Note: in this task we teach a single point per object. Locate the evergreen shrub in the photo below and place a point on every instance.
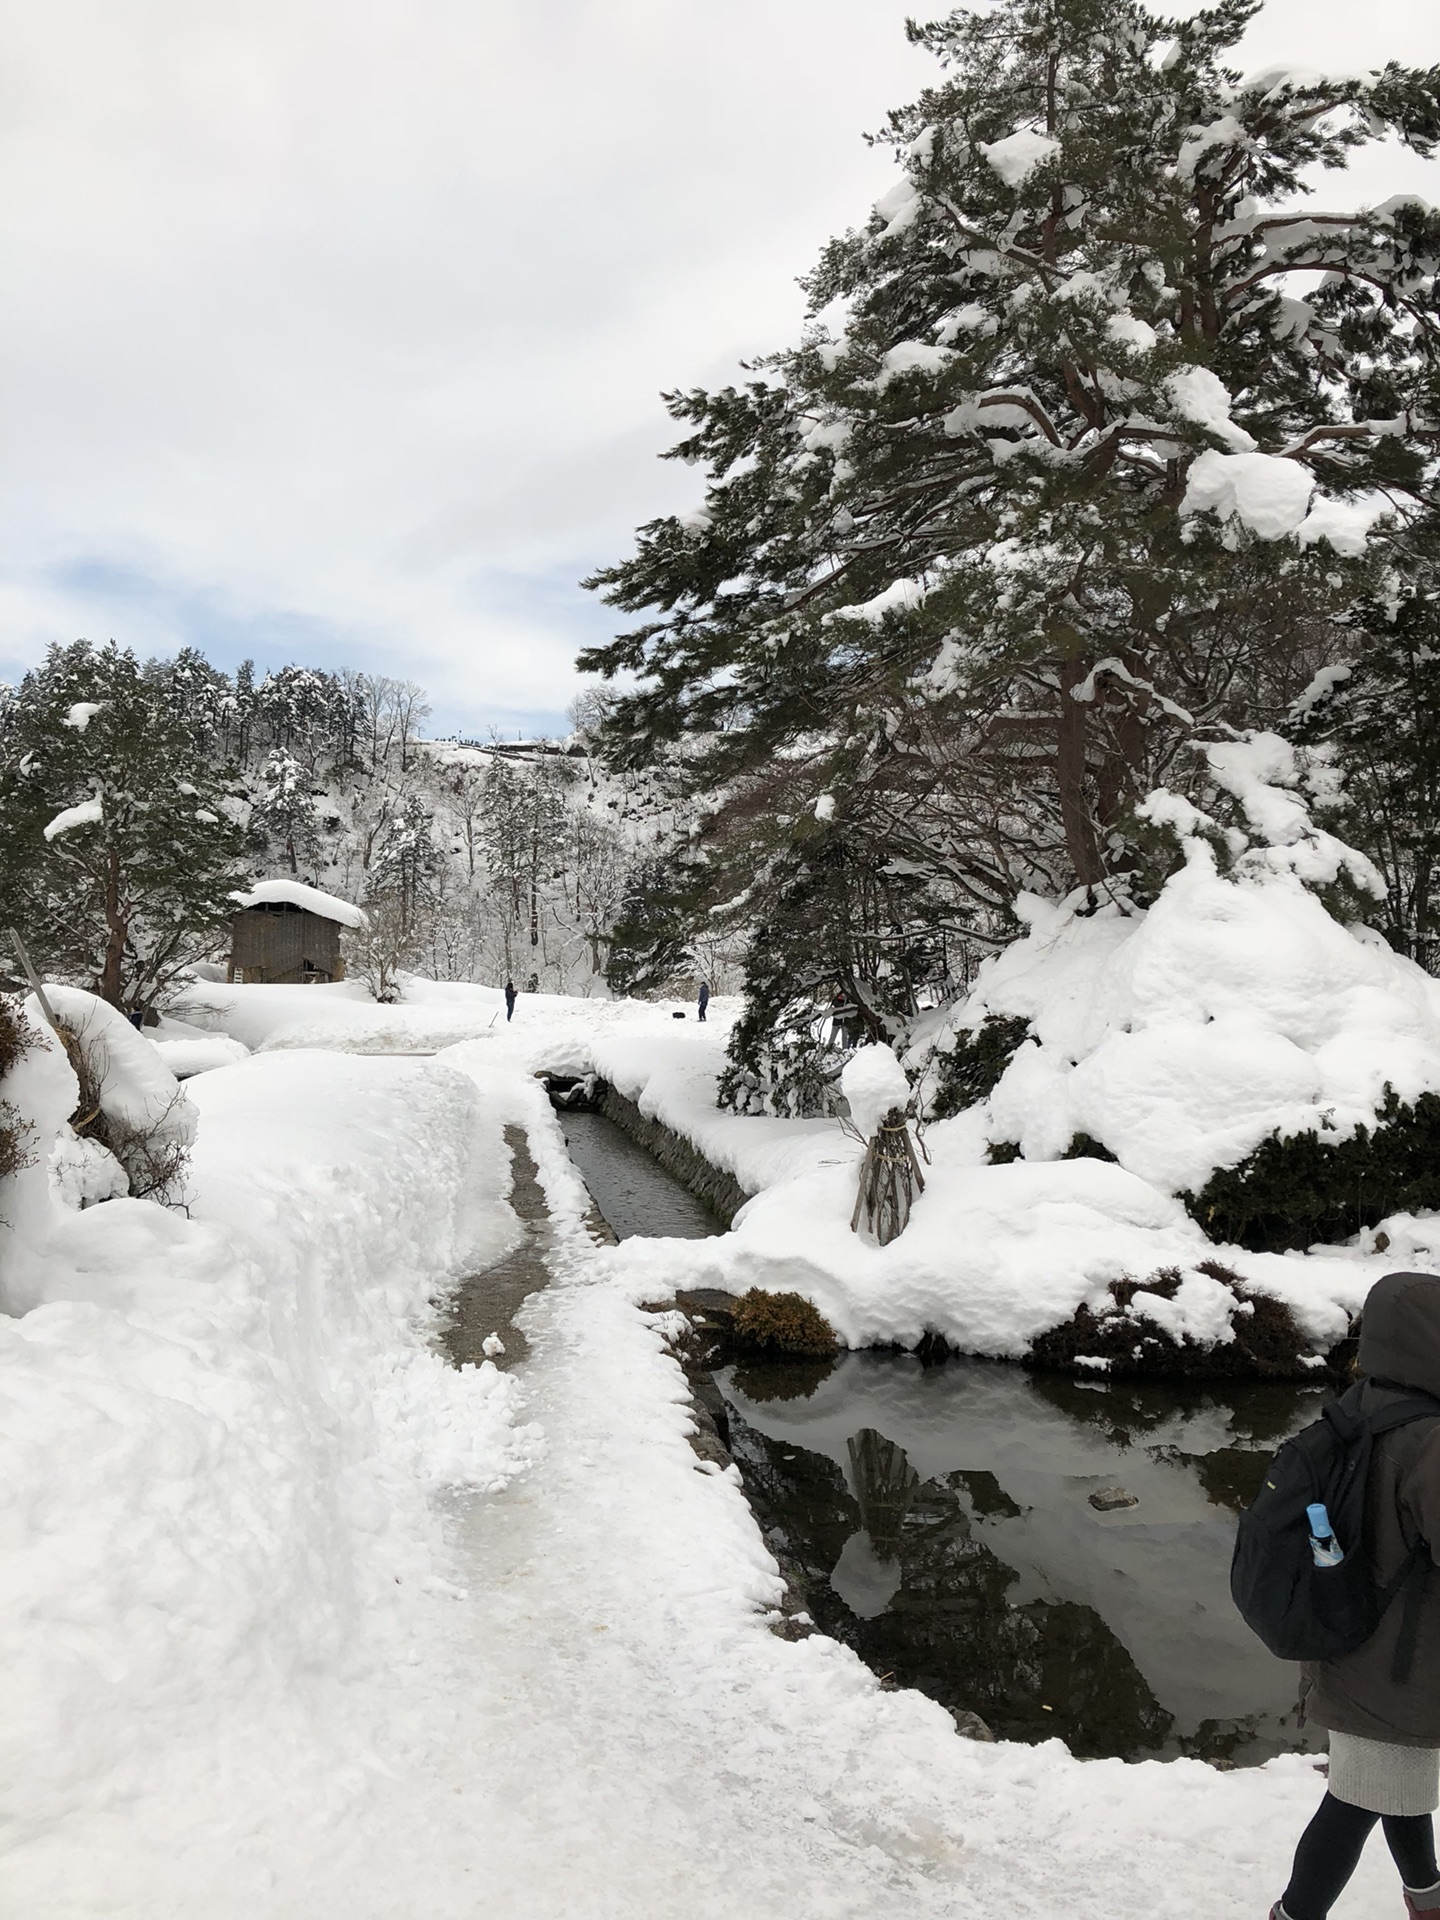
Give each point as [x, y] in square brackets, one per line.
[782, 1323]
[1084, 1146]
[972, 1070]
[1313, 1186]
[1268, 1343]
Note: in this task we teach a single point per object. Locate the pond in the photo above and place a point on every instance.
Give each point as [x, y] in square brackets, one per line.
[940, 1521]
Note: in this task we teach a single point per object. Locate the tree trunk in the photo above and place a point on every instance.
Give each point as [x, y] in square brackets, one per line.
[1070, 778]
[116, 931]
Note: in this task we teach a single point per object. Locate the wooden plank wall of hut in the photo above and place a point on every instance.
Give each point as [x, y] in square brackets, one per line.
[284, 947]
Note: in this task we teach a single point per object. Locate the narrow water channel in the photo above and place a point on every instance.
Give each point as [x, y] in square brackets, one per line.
[941, 1522]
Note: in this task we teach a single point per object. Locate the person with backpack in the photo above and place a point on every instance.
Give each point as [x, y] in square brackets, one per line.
[1366, 1603]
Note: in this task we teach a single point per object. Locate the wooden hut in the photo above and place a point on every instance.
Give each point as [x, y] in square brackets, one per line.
[288, 934]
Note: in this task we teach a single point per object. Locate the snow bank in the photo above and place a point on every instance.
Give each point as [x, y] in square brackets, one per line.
[342, 1015]
[217, 1435]
[294, 893]
[42, 1088]
[185, 1055]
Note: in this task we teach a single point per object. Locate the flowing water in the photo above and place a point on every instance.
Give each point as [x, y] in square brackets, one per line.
[939, 1518]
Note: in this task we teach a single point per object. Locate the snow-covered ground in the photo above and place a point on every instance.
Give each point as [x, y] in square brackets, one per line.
[1290, 1014]
[307, 1624]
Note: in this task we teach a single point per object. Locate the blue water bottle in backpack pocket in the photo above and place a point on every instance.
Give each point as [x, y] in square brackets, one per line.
[1325, 1549]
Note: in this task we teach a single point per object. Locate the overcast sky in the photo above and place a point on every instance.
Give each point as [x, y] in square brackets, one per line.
[333, 330]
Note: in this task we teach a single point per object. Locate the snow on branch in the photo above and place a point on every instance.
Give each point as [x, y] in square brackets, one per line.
[88, 813]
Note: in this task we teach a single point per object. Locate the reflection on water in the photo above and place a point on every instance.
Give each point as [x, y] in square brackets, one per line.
[941, 1522]
[939, 1518]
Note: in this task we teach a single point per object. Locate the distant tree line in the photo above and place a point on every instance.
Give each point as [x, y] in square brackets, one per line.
[136, 796]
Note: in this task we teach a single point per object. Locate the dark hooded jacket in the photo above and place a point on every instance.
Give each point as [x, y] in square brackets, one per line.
[1399, 1352]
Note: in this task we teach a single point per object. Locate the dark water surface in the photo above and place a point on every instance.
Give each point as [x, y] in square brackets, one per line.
[633, 1192]
[939, 1517]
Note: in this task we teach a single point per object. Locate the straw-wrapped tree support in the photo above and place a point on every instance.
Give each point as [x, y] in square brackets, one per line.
[890, 1177]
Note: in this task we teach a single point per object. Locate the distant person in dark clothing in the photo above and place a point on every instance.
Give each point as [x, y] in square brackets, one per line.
[509, 999]
[704, 997]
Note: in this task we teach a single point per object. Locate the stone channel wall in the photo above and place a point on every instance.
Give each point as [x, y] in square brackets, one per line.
[720, 1191]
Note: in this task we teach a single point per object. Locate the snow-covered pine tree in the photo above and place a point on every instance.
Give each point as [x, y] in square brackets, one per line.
[119, 853]
[283, 813]
[1379, 716]
[407, 861]
[1074, 463]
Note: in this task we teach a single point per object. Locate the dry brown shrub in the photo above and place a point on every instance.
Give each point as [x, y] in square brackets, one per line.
[782, 1323]
[17, 1037]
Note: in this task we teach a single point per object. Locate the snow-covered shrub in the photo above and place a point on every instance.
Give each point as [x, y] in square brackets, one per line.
[782, 1323]
[1233, 1043]
[969, 1071]
[17, 1037]
[1129, 1333]
[1295, 1190]
[130, 1102]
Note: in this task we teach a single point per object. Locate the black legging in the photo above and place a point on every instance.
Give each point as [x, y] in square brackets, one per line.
[1330, 1849]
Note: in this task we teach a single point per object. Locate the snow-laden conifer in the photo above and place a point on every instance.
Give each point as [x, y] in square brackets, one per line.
[1098, 423]
[119, 849]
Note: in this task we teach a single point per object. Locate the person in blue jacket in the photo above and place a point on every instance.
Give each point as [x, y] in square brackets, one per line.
[704, 997]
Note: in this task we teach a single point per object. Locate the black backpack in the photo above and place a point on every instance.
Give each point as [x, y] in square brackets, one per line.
[1305, 1612]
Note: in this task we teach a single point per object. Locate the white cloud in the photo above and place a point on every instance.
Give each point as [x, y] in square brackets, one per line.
[338, 332]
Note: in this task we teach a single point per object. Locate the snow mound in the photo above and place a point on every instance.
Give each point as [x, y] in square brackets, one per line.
[294, 893]
[217, 1437]
[186, 1056]
[873, 1081]
[83, 1173]
[1181, 1037]
[134, 1086]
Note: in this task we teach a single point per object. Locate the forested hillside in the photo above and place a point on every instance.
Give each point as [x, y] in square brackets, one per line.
[139, 795]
